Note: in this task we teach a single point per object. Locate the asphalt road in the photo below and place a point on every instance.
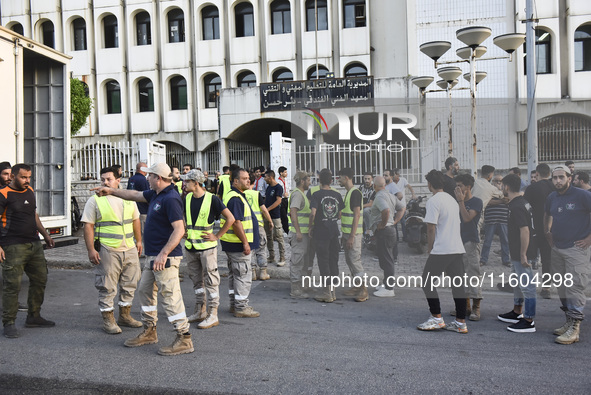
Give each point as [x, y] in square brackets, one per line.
[296, 346]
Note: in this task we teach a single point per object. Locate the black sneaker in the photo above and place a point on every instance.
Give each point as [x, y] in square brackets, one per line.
[523, 326]
[510, 317]
[10, 331]
[38, 322]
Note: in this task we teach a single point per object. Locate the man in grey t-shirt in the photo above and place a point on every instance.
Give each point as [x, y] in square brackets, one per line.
[385, 213]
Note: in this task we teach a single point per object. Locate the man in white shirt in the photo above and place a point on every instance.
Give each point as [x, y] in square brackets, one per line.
[445, 248]
[402, 184]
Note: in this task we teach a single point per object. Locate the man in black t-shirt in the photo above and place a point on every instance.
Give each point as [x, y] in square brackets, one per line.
[21, 250]
[326, 205]
[536, 195]
[523, 252]
[452, 167]
[273, 196]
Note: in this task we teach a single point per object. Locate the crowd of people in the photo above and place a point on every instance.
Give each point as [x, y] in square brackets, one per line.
[134, 239]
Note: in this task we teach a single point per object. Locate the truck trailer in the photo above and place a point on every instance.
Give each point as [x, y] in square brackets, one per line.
[35, 123]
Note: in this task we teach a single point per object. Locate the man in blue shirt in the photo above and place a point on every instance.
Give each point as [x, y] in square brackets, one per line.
[470, 210]
[567, 225]
[138, 182]
[163, 233]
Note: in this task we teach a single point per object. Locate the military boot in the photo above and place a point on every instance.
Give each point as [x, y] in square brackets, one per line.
[325, 296]
[353, 291]
[475, 315]
[148, 336]
[564, 327]
[109, 324]
[211, 320]
[571, 335]
[297, 292]
[247, 312]
[199, 314]
[125, 318]
[182, 344]
[263, 275]
[254, 273]
[362, 295]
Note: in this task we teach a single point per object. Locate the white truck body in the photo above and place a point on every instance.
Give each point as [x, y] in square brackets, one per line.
[35, 122]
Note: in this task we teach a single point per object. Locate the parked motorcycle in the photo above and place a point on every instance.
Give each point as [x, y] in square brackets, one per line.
[414, 220]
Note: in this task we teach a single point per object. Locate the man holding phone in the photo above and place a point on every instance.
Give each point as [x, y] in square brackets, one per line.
[162, 234]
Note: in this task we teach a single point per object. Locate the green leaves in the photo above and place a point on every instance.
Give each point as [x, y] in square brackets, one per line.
[80, 105]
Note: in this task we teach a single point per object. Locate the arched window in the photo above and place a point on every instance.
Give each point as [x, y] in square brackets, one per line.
[146, 95]
[176, 26]
[246, 78]
[356, 70]
[18, 28]
[244, 15]
[280, 17]
[111, 31]
[322, 72]
[178, 93]
[210, 17]
[311, 7]
[583, 48]
[142, 24]
[79, 27]
[353, 13]
[48, 32]
[282, 75]
[113, 97]
[543, 52]
[212, 85]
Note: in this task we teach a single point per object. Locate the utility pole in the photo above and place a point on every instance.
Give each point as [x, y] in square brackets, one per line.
[532, 119]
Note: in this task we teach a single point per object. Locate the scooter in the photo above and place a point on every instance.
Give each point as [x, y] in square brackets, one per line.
[416, 228]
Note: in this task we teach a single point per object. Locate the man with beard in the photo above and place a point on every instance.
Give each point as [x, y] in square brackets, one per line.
[21, 251]
[326, 206]
[5, 169]
[176, 179]
[567, 225]
[452, 167]
[581, 180]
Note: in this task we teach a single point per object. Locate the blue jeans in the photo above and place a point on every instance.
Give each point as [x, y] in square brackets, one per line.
[489, 233]
[525, 276]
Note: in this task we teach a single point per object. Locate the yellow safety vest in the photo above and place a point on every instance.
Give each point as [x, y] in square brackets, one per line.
[347, 215]
[179, 186]
[253, 199]
[202, 224]
[225, 181]
[110, 229]
[303, 214]
[230, 236]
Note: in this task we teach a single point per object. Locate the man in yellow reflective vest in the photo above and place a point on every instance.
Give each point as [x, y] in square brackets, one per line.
[110, 225]
[224, 184]
[201, 210]
[176, 179]
[238, 242]
[299, 220]
[352, 229]
[259, 255]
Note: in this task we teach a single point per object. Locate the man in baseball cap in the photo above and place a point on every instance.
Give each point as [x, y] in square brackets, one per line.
[160, 169]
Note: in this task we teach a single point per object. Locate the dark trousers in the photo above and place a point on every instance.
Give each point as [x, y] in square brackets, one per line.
[327, 252]
[27, 258]
[545, 252]
[453, 266]
[387, 250]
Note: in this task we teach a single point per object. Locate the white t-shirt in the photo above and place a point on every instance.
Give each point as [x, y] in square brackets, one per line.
[444, 212]
[401, 184]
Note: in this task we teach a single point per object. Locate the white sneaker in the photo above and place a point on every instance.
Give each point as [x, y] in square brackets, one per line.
[379, 287]
[384, 293]
[281, 263]
[431, 324]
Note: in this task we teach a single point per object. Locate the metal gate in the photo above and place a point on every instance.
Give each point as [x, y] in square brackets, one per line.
[247, 155]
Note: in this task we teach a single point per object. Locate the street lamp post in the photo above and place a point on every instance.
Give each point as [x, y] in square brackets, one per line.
[471, 36]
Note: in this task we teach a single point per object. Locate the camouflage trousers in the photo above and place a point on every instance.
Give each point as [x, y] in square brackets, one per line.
[30, 259]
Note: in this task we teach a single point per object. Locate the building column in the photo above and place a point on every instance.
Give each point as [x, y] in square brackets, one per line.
[224, 153]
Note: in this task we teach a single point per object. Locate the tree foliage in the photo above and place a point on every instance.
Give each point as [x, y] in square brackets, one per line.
[80, 105]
